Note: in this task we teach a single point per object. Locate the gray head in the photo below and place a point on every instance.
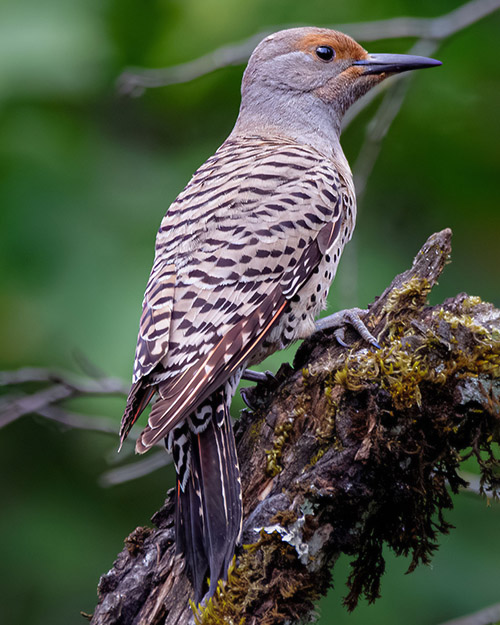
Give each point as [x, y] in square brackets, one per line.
[300, 82]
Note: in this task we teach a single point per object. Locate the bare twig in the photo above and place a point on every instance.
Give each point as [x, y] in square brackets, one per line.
[67, 386]
[26, 375]
[487, 616]
[425, 28]
[135, 80]
[376, 131]
[78, 421]
[474, 484]
[135, 470]
[63, 385]
[431, 33]
[379, 126]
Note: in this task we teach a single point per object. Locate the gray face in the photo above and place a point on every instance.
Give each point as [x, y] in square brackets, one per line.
[300, 82]
[302, 60]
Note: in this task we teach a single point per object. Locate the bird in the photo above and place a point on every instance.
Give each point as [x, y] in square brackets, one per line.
[244, 259]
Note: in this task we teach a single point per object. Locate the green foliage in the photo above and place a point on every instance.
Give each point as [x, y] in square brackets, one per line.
[85, 177]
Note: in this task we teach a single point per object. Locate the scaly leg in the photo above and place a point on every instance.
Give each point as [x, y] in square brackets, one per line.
[257, 376]
[254, 376]
[347, 317]
[338, 320]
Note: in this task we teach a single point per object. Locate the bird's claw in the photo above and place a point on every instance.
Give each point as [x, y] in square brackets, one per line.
[254, 376]
[258, 376]
[351, 317]
[246, 394]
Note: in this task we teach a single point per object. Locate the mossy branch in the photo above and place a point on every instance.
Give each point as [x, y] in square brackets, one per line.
[348, 450]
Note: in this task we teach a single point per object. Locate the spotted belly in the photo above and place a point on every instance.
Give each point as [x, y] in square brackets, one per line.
[298, 321]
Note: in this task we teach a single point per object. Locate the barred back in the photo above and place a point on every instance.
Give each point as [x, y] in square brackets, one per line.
[244, 259]
[253, 226]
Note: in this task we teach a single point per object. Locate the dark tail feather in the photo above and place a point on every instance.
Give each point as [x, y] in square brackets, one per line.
[189, 534]
[209, 511]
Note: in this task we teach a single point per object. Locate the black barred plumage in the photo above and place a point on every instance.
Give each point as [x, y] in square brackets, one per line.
[209, 306]
[244, 259]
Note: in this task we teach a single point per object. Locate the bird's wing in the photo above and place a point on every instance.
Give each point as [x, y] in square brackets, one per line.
[154, 326]
[233, 249]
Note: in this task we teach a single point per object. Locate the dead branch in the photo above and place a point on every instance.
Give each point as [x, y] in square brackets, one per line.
[135, 80]
[58, 386]
[488, 616]
[45, 392]
[349, 450]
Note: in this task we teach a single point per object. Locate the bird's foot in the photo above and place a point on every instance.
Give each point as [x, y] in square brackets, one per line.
[258, 376]
[248, 393]
[341, 319]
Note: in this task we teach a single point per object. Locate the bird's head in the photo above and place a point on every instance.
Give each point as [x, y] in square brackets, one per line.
[311, 69]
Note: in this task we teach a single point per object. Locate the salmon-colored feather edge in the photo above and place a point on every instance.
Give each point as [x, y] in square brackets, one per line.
[152, 433]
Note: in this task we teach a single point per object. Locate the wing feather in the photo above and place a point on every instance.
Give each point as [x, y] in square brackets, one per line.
[230, 254]
[154, 326]
[202, 379]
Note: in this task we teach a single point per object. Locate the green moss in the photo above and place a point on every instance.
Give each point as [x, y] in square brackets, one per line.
[319, 454]
[412, 293]
[397, 370]
[403, 302]
[256, 578]
[226, 604]
[471, 302]
[401, 366]
[453, 343]
[281, 434]
[283, 430]
[326, 429]
[325, 424]
[426, 356]
[255, 428]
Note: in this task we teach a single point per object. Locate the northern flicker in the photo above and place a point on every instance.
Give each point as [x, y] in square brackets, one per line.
[244, 259]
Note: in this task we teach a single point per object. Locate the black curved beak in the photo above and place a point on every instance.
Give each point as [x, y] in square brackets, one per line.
[395, 63]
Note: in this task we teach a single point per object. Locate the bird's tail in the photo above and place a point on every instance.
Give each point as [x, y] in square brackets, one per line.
[208, 509]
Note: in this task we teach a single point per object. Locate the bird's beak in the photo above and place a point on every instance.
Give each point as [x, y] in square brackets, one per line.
[394, 63]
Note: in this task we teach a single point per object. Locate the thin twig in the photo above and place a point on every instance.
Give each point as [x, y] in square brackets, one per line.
[77, 421]
[27, 375]
[379, 126]
[135, 80]
[134, 470]
[487, 616]
[28, 404]
[474, 484]
[64, 385]
[99, 385]
[376, 131]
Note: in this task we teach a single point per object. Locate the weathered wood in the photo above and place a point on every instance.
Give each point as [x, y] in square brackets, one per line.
[346, 451]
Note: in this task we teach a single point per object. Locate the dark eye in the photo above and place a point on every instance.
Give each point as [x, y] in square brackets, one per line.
[325, 53]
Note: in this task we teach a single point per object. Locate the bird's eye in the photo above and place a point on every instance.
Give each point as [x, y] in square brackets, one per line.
[325, 53]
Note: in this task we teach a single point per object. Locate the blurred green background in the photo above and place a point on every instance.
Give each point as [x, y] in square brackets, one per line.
[85, 178]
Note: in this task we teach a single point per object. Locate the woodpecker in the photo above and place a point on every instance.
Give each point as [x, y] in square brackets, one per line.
[244, 259]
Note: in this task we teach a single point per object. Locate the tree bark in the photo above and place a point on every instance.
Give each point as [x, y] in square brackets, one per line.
[348, 450]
